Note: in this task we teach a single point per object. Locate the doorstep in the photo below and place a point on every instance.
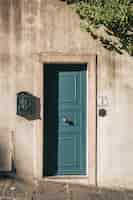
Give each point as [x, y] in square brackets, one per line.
[81, 180]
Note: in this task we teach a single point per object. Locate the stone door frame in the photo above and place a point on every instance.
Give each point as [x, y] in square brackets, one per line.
[90, 61]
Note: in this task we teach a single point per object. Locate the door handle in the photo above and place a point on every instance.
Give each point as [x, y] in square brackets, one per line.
[66, 120]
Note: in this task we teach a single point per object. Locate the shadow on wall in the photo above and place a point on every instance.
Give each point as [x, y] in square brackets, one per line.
[3, 161]
[28, 106]
[51, 117]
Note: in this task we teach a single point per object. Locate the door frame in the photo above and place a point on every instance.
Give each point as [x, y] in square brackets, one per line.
[91, 62]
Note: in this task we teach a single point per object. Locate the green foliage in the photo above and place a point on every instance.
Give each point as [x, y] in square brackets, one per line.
[115, 15]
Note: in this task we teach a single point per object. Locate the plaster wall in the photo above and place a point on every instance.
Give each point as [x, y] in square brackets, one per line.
[30, 27]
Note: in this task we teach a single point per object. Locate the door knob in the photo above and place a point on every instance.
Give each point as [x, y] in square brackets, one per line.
[66, 120]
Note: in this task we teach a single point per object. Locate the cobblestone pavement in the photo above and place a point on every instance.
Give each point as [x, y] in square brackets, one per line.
[13, 189]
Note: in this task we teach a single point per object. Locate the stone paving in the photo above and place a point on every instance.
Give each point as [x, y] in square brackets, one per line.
[13, 189]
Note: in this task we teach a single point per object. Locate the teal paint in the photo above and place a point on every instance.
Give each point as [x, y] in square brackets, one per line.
[64, 119]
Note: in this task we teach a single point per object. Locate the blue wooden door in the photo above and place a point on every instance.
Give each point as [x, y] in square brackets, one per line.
[65, 119]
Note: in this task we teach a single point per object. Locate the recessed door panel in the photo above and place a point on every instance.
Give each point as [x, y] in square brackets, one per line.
[68, 93]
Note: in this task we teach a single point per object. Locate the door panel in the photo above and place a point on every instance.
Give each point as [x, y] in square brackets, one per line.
[68, 85]
[65, 119]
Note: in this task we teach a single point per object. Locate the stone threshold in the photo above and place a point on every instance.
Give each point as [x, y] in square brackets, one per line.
[80, 180]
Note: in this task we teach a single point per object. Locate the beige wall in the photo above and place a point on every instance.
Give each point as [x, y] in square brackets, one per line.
[115, 131]
[30, 27]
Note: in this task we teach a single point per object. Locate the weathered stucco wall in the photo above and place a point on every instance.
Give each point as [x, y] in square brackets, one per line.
[31, 27]
[115, 130]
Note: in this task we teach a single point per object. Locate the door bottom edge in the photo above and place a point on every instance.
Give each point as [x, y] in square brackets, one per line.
[66, 177]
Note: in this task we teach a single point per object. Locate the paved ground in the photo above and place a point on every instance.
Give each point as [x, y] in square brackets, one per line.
[12, 189]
